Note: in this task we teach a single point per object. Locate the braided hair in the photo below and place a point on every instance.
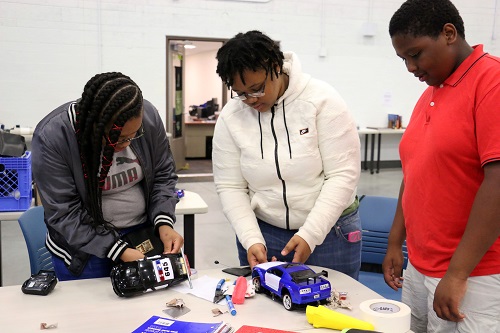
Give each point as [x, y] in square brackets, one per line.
[425, 18]
[108, 101]
[248, 51]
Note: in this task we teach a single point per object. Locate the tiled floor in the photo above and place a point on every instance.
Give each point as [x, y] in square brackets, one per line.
[215, 240]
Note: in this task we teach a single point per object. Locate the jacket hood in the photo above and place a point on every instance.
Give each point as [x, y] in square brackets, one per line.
[298, 81]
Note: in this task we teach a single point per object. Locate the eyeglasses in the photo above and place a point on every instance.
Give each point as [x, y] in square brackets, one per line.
[244, 96]
[138, 134]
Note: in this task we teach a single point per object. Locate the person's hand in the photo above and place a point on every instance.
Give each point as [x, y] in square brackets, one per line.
[448, 295]
[301, 248]
[256, 254]
[392, 266]
[131, 254]
[172, 241]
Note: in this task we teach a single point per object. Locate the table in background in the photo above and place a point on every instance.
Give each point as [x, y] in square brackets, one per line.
[199, 134]
[368, 133]
[189, 205]
[91, 305]
[375, 133]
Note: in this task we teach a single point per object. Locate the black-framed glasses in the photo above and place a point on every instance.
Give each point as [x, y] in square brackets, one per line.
[244, 96]
[138, 134]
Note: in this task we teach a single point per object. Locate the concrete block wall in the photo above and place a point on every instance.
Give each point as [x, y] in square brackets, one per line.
[50, 48]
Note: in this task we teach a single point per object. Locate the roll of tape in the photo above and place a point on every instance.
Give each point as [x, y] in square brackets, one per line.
[386, 315]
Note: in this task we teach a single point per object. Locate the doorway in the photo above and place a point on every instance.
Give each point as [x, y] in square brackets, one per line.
[191, 80]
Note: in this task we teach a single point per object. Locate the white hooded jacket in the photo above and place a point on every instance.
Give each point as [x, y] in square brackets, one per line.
[295, 167]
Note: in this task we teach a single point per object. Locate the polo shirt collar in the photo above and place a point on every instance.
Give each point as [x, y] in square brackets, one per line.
[464, 67]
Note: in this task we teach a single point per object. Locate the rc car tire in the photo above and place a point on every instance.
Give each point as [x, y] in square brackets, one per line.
[257, 285]
[287, 301]
[324, 301]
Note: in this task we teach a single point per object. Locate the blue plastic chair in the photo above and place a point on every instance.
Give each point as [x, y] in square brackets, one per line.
[34, 231]
[376, 214]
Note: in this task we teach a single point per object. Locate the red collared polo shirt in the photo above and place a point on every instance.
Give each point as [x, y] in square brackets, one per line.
[453, 131]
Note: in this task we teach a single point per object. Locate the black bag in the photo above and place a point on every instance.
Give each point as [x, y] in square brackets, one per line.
[12, 145]
[144, 239]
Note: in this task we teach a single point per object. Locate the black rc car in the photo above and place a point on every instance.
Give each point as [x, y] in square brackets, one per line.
[148, 274]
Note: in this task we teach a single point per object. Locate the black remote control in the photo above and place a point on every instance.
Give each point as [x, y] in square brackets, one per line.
[41, 283]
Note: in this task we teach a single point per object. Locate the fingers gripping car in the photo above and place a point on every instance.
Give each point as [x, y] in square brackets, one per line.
[148, 274]
[294, 283]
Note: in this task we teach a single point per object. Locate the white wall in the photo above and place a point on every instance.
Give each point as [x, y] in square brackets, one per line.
[50, 48]
[204, 83]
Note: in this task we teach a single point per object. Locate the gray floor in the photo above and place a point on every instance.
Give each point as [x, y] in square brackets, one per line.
[215, 240]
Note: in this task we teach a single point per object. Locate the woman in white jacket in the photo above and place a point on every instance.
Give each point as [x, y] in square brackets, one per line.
[286, 160]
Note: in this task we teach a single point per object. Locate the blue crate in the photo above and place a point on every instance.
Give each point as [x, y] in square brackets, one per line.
[15, 183]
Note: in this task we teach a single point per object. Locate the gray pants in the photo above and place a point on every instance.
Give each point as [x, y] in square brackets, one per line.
[481, 304]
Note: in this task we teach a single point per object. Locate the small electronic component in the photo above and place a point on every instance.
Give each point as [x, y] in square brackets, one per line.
[180, 193]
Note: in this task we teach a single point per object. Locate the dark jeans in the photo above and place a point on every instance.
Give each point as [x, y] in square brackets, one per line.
[95, 268]
[336, 252]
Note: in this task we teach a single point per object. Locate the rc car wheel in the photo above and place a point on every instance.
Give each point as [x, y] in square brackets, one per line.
[287, 301]
[324, 301]
[257, 285]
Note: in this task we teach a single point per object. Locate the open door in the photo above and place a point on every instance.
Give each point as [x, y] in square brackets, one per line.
[186, 75]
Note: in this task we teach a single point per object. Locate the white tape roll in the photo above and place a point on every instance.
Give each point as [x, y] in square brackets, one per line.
[386, 315]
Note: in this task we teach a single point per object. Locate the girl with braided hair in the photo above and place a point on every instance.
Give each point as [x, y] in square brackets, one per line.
[103, 168]
[286, 160]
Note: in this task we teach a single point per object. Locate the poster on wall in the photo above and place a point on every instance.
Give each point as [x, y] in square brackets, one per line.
[178, 102]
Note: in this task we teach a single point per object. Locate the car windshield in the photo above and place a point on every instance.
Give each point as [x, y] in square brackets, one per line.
[301, 276]
[306, 275]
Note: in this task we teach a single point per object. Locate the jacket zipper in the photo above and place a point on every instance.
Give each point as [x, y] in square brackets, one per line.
[146, 183]
[276, 161]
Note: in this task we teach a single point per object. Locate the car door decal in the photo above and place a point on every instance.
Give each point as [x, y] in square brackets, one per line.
[272, 281]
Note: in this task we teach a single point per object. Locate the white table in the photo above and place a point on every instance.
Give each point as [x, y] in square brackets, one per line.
[373, 132]
[368, 132]
[189, 205]
[91, 306]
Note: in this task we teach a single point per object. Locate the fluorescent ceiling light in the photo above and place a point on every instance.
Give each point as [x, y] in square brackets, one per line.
[189, 45]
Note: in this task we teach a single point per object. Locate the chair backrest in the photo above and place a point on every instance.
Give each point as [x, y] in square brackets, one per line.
[34, 231]
[376, 214]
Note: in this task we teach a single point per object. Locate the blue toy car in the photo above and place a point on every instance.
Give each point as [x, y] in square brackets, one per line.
[294, 283]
